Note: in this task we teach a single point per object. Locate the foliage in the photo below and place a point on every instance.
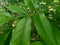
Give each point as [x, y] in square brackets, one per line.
[30, 22]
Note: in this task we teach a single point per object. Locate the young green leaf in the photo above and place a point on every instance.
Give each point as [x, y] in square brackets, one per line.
[21, 34]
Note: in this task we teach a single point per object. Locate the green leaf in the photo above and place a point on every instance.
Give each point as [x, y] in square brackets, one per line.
[48, 1]
[46, 24]
[12, 1]
[5, 13]
[44, 29]
[56, 0]
[4, 17]
[5, 33]
[35, 4]
[29, 4]
[56, 32]
[16, 9]
[21, 34]
[7, 41]
[57, 12]
[37, 43]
